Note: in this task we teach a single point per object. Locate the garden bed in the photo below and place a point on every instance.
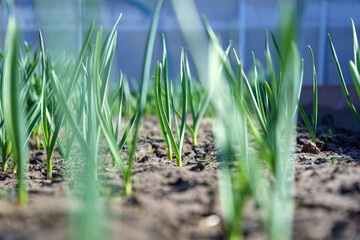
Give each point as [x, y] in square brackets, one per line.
[169, 202]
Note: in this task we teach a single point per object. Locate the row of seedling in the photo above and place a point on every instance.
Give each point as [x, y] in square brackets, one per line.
[259, 112]
[43, 96]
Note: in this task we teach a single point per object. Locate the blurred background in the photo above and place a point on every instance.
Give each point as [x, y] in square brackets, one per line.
[244, 21]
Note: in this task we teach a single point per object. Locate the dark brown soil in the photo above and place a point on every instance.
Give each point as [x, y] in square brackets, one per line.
[182, 203]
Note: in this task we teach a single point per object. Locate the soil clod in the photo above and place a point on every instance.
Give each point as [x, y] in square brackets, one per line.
[310, 148]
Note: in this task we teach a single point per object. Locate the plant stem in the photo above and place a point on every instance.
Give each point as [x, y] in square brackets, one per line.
[194, 138]
[4, 163]
[37, 142]
[178, 160]
[49, 166]
[236, 234]
[113, 161]
[127, 189]
[5, 157]
[169, 152]
[22, 192]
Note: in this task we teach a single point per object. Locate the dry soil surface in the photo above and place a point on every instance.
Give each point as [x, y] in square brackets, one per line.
[169, 202]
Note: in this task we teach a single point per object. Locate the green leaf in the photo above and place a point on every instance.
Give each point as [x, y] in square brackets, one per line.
[276, 45]
[229, 73]
[307, 122]
[315, 93]
[356, 76]
[269, 62]
[60, 95]
[162, 119]
[356, 46]
[166, 82]
[342, 81]
[145, 74]
[14, 108]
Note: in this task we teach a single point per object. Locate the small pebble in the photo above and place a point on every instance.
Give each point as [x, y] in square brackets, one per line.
[210, 221]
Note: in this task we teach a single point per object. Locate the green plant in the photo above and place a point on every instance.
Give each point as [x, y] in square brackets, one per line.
[13, 108]
[51, 120]
[32, 85]
[312, 126]
[30, 93]
[165, 115]
[355, 69]
[100, 65]
[5, 144]
[86, 221]
[123, 94]
[143, 90]
[270, 121]
[197, 112]
[231, 130]
[97, 111]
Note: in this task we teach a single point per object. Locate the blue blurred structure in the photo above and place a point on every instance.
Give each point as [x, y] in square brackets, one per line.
[245, 21]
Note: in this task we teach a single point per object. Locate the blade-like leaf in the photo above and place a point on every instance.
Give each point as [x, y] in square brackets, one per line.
[342, 81]
[315, 92]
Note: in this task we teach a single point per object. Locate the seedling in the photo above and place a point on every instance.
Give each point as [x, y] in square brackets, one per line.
[231, 128]
[314, 117]
[124, 98]
[275, 113]
[51, 120]
[163, 109]
[5, 144]
[198, 109]
[202, 105]
[29, 94]
[13, 107]
[126, 171]
[355, 69]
